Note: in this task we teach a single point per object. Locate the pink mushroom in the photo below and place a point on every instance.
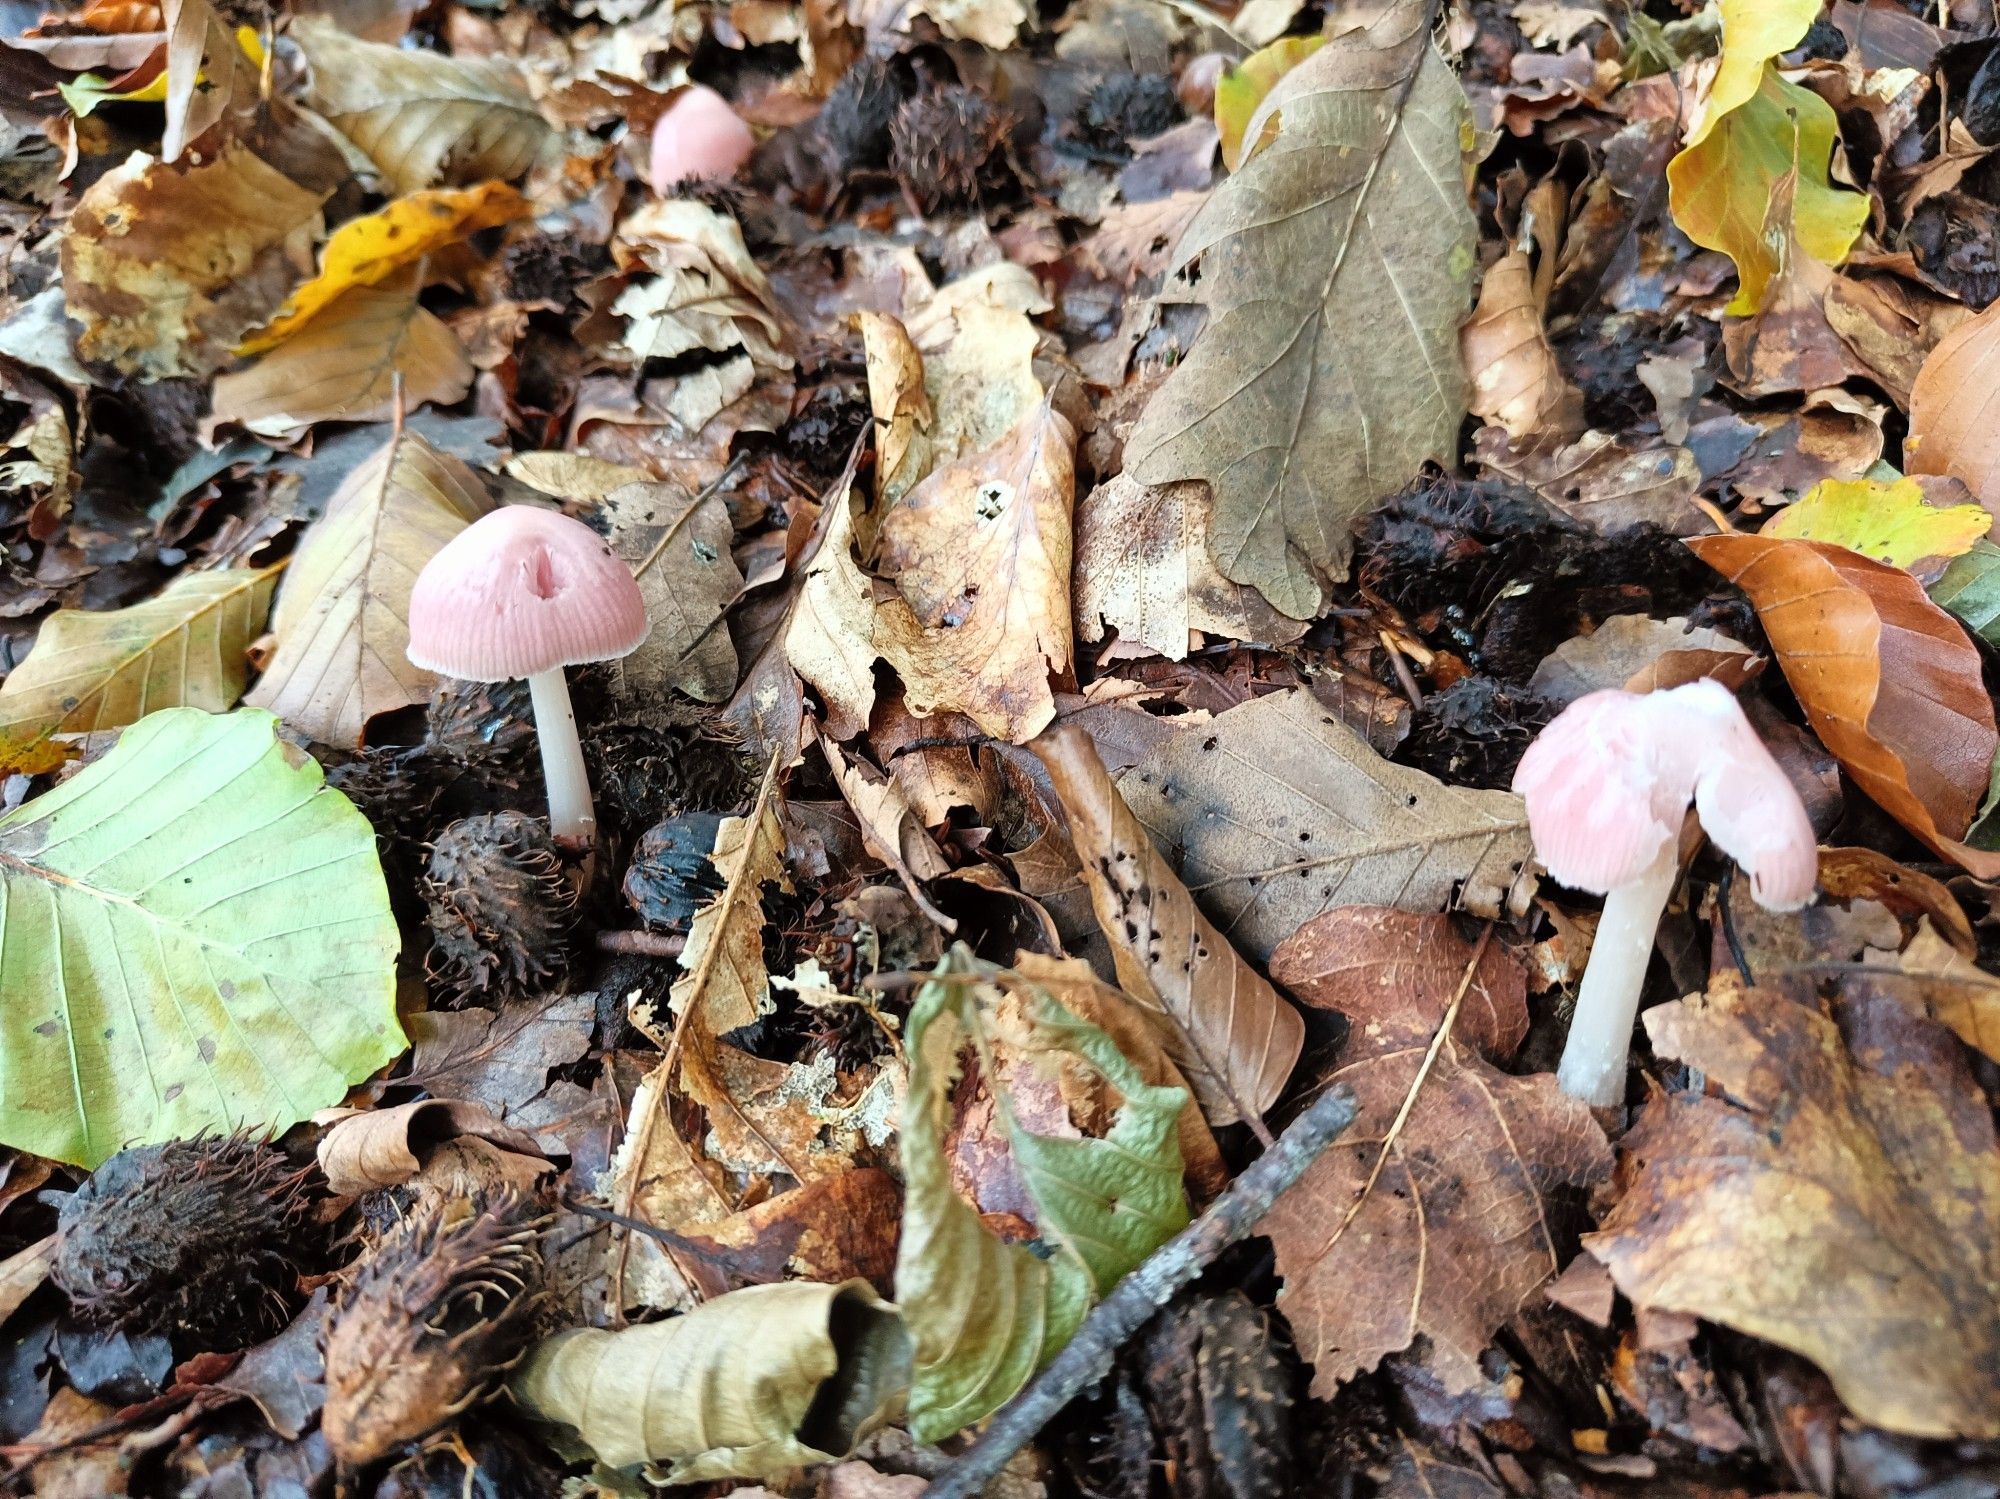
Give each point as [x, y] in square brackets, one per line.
[525, 592]
[1607, 786]
[699, 136]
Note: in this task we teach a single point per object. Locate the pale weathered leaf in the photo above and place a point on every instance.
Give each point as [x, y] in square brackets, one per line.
[1336, 266]
[208, 75]
[344, 365]
[366, 1149]
[194, 935]
[1517, 381]
[343, 616]
[423, 118]
[1277, 811]
[679, 548]
[722, 966]
[187, 646]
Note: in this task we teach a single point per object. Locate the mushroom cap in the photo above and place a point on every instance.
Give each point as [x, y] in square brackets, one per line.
[520, 591]
[699, 136]
[1608, 783]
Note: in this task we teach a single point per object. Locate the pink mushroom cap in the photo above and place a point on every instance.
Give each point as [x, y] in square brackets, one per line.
[521, 591]
[699, 136]
[1609, 781]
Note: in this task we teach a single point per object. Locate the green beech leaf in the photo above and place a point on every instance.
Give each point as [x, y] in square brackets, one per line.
[984, 1315]
[194, 935]
[1890, 522]
[1970, 589]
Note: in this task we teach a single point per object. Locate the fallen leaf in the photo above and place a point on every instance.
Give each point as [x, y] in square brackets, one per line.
[830, 634]
[1850, 1159]
[284, 1377]
[1602, 481]
[1721, 186]
[365, 251]
[900, 405]
[166, 265]
[1243, 87]
[209, 74]
[502, 1058]
[1276, 811]
[679, 547]
[991, 23]
[23, 1272]
[1892, 327]
[1951, 989]
[889, 830]
[1789, 345]
[1753, 32]
[1517, 380]
[1228, 1029]
[424, 119]
[371, 346]
[1138, 239]
[1889, 681]
[1336, 265]
[1143, 568]
[1970, 589]
[365, 1150]
[1439, 1229]
[187, 646]
[1952, 411]
[1665, 652]
[722, 966]
[342, 620]
[1890, 521]
[749, 1385]
[268, 985]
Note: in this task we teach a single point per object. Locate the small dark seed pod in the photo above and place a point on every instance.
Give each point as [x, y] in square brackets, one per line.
[431, 1319]
[500, 908]
[196, 1239]
[479, 725]
[944, 142]
[855, 123]
[394, 789]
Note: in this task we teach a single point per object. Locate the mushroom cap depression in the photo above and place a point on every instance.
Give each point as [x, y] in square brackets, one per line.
[521, 591]
[699, 136]
[1608, 782]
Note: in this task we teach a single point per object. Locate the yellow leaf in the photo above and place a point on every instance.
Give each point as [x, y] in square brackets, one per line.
[1240, 90]
[365, 251]
[1721, 188]
[1753, 32]
[186, 647]
[1887, 521]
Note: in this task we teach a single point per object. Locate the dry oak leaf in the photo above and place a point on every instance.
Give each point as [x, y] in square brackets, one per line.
[1852, 1161]
[1336, 266]
[1889, 681]
[980, 550]
[1955, 408]
[1143, 568]
[1276, 811]
[1517, 381]
[187, 646]
[343, 614]
[165, 265]
[422, 118]
[1231, 1033]
[1440, 1230]
[367, 250]
[344, 365]
[722, 966]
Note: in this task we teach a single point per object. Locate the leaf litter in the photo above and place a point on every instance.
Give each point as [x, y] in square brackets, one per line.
[1115, 489]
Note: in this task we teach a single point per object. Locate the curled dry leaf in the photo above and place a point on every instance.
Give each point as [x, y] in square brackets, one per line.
[424, 119]
[363, 1150]
[208, 75]
[1143, 568]
[889, 829]
[343, 615]
[1229, 1030]
[722, 966]
[1638, 653]
[185, 647]
[166, 265]
[1888, 680]
[748, 1385]
[1955, 408]
[1277, 811]
[1442, 1228]
[1517, 381]
[1336, 265]
[1851, 1159]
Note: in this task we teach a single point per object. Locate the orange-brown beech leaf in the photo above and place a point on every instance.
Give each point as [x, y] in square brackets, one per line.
[1889, 681]
[1232, 1034]
[1955, 408]
[1439, 1229]
[1834, 1188]
[1517, 381]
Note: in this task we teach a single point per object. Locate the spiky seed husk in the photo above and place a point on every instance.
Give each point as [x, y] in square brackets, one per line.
[393, 789]
[428, 1323]
[478, 725]
[855, 124]
[500, 908]
[197, 1239]
[943, 142]
[644, 771]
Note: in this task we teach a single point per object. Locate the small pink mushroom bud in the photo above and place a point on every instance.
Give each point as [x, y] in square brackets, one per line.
[1607, 786]
[1196, 85]
[699, 136]
[525, 592]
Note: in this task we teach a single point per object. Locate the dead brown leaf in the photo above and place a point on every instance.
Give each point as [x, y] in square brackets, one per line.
[1952, 990]
[1602, 481]
[1955, 408]
[1851, 1160]
[1438, 1227]
[889, 829]
[1517, 381]
[1231, 1033]
[363, 1150]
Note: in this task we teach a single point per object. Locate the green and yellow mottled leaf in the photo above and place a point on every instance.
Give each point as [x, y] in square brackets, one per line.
[1240, 90]
[1753, 32]
[1888, 521]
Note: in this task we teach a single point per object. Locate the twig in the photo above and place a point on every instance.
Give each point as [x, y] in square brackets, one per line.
[1138, 1296]
[643, 944]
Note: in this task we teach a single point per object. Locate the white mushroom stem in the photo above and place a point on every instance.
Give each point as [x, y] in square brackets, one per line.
[571, 813]
[1607, 1002]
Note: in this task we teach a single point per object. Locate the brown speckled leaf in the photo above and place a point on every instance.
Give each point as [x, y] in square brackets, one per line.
[1455, 1233]
[1834, 1190]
